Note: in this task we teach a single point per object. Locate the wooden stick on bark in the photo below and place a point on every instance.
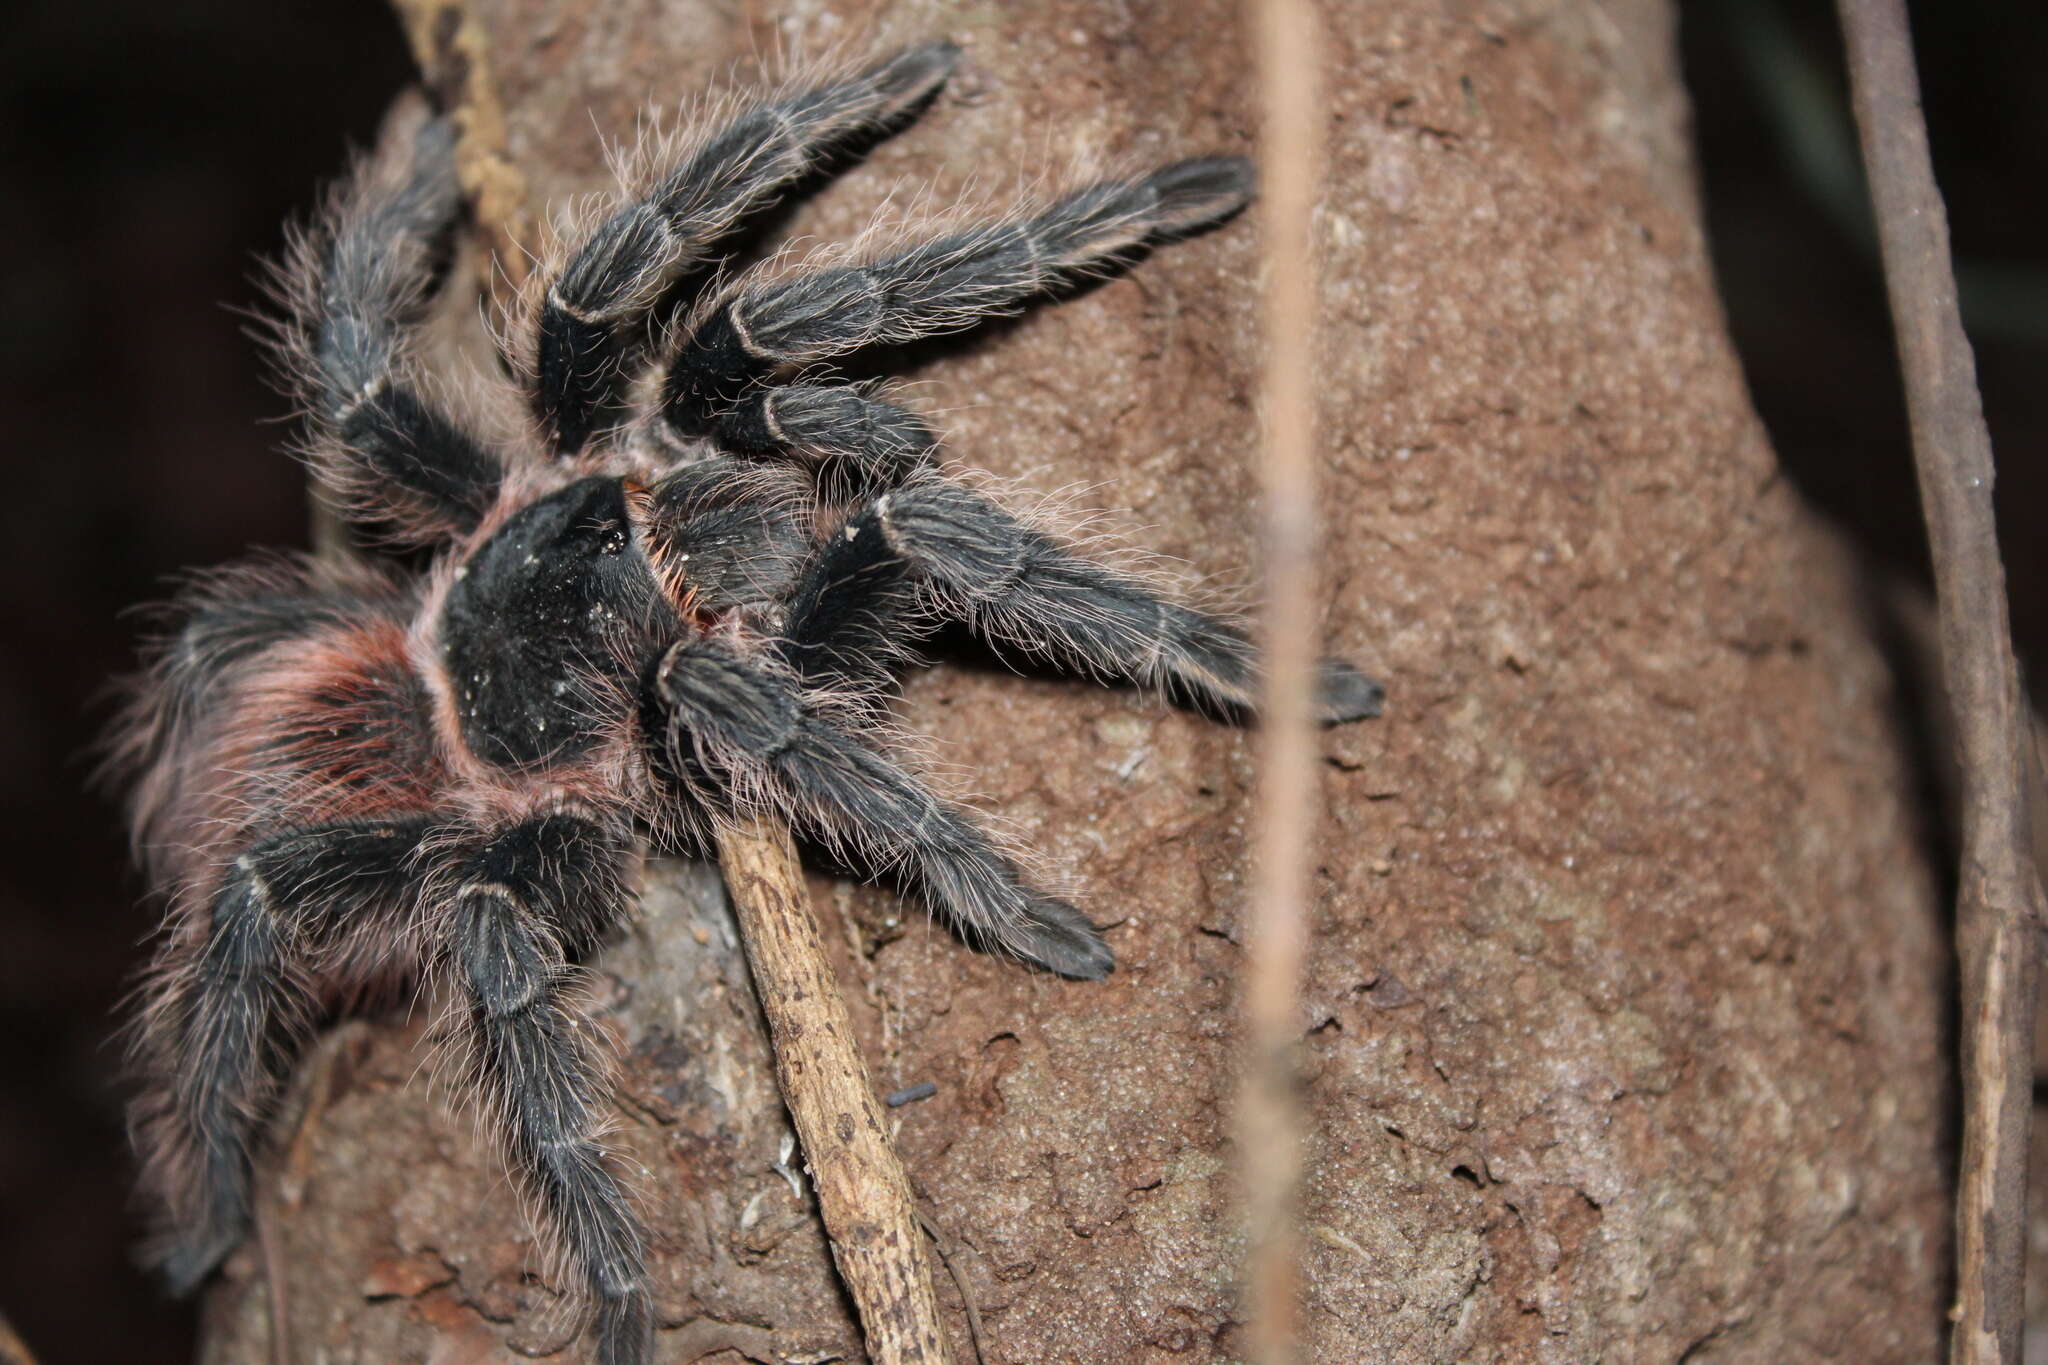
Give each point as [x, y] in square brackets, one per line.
[863, 1193]
[1999, 910]
[454, 61]
[1269, 1118]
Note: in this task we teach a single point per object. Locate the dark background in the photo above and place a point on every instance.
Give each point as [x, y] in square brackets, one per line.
[152, 150]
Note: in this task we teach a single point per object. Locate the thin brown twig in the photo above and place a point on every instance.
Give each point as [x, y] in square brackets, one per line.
[1269, 1118]
[276, 1284]
[863, 1193]
[335, 1054]
[454, 60]
[949, 1257]
[1999, 909]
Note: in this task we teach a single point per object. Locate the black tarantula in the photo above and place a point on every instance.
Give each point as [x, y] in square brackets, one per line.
[659, 609]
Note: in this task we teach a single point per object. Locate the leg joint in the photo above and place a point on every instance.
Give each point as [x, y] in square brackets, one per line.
[957, 539]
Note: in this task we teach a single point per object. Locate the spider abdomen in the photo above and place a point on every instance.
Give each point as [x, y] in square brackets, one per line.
[558, 607]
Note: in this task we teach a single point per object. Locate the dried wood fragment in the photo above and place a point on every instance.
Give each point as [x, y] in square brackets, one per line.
[863, 1193]
[1999, 911]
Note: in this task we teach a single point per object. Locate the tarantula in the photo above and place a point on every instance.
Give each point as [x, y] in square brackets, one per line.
[680, 598]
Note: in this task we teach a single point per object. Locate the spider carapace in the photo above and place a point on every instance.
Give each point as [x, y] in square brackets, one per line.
[683, 591]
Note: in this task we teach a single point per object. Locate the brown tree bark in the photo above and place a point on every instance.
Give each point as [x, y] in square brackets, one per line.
[1625, 996]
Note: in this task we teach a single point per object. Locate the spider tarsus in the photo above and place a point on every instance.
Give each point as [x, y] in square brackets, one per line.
[1200, 193]
[185, 1264]
[1344, 694]
[916, 73]
[1064, 941]
[572, 360]
[624, 1328]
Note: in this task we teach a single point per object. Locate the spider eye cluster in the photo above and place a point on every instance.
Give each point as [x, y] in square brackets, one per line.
[557, 603]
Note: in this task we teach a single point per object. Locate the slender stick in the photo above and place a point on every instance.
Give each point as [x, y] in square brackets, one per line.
[454, 60]
[862, 1190]
[1269, 1121]
[1999, 910]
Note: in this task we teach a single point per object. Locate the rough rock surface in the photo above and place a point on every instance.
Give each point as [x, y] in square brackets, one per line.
[1625, 1013]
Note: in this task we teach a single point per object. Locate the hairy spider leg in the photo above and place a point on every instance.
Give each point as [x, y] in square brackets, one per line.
[353, 291]
[525, 905]
[942, 285]
[1017, 587]
[853, 443]
[286, 774]
[728, 532]
[754, 728]
[230, 1007]
[854, 615]
[586, 340]
[977, 563]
